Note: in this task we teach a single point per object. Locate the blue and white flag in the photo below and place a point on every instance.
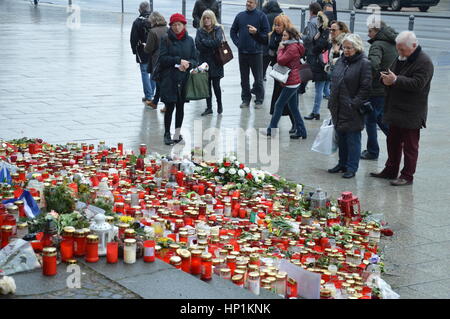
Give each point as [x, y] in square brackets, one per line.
[31, 207]
[5, 175]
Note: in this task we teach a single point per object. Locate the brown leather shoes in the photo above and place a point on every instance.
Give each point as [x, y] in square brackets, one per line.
[382, 175]
[401, 182]
[151, 104]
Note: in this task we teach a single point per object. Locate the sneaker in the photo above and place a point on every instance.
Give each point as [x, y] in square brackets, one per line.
[258, 105]
[365, 155]
[244, 105]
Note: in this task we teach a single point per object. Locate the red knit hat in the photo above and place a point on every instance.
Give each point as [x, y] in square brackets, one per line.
[177, 17]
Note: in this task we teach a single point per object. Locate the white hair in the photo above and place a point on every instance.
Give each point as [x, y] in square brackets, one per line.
[355, 40]
[408, 38]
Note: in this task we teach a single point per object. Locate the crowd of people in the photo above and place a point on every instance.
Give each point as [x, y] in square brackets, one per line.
[386, 87]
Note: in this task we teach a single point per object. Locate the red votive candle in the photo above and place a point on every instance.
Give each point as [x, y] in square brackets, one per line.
[149, 251]
[92, 249]
[66, 250]
[196, 262]
[49, 261]
[206, 267]
[112, 252]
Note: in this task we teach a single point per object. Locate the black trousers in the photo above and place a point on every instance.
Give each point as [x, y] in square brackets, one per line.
[217, 92]
[179, 115]
[266, 62]
[253, 62]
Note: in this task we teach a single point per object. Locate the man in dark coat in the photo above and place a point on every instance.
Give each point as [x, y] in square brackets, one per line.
[249, 33]
[202, 5]
[382, 54]
[407, 84]
[138, 37]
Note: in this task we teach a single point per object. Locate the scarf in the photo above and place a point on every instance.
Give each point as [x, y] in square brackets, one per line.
[181, 34]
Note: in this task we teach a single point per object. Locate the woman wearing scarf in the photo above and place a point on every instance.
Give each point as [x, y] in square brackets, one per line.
[178, 56]
[289, 52]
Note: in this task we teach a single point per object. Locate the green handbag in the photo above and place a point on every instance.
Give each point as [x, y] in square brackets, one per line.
[197, 86]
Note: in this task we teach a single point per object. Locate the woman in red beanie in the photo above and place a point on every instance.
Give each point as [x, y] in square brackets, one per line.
[178, 56]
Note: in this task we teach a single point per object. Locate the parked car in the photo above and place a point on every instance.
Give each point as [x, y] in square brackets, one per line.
[396, 5]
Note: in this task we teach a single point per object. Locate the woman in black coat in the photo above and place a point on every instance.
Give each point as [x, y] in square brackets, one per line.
[350, 87]
[177, 57]
[271, 9]
[209, 37]
[315, 58]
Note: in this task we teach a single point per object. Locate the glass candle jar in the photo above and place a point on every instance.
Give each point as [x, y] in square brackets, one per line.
[112, 252]
[129, 251]
[49, 261]
[225, 273]
[79, 243]
[185, 260]
[7, 231]
[66, 250]
[231, 263]
[13, 210]
[149, 251]
[291, 288]
[238, 280]
[281, 280]
[68, 233]
[22, 230]
[196, 262]
[206, 267]
[227, 210]
[91, 249]
[122, 228]
[254, 283]
[129, 233]
[21, 208]
[175, 261]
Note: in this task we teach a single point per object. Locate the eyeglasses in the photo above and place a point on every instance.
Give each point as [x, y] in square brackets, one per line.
[348, 48]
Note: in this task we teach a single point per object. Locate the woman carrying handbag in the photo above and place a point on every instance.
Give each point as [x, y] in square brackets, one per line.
[289, 53]
[209, 38]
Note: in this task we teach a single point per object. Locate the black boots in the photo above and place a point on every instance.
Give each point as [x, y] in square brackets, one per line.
[312, 116]
[167, 139]
[207, 111]
[298, 133]
[219, 108]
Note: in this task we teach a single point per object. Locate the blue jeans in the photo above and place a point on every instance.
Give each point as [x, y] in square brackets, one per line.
[326, 89]
[147, 83]
[349, 144]
[289, 96]
[319, 96]
[373, 119]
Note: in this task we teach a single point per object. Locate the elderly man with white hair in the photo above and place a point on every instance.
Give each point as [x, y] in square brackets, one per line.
[407, 84]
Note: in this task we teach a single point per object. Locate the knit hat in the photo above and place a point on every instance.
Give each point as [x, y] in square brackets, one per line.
[177, 17]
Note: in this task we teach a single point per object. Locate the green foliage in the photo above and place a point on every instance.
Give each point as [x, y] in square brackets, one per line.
[60, 199]
[74, 219]
[105, 205]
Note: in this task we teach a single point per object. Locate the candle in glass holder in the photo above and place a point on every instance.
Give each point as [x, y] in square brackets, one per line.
[238, 280]
[22, 230]
[291, 289]
[196, 262]
[254, 284]
[112, 252]
[92, 249]
[175, 261]
[149, 251]
[206, 267]
[225, 273]
[129, 252]
[79, 243]
[21, 207]
[185, 260]
[66, 249]
[7, 231]
[142, 149]
[49, 261]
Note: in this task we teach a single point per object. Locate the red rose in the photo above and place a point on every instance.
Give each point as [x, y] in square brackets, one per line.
[227, 164]
[249, 176]
[216, 170]
[241, 166]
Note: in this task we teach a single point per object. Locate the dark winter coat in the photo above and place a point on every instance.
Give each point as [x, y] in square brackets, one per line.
[274, 42]
[271, 10]
[138, 36]
[333, 4]
[315, 59]
[173, 81]
[248, 43]
[207, 44]
[406, 102]
[152, 46]
[382, 54]
[202, 5]
[350, 88]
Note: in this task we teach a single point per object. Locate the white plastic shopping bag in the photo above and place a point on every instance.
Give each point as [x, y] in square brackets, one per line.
[325, 142]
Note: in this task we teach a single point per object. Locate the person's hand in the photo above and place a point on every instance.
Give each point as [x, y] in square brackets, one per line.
[317, 36]
[252, 29]
[280, 46]
[388, 77]
[185, 64]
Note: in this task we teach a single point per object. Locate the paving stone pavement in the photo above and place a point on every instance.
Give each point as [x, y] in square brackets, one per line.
[67, 85]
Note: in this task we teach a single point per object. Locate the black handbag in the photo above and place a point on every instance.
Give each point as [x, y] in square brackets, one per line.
[305, 73]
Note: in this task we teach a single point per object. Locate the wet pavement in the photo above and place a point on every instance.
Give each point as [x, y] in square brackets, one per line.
[63, 85]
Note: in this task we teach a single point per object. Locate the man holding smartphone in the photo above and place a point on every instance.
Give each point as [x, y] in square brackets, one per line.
[249, 33]
[407, 83]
